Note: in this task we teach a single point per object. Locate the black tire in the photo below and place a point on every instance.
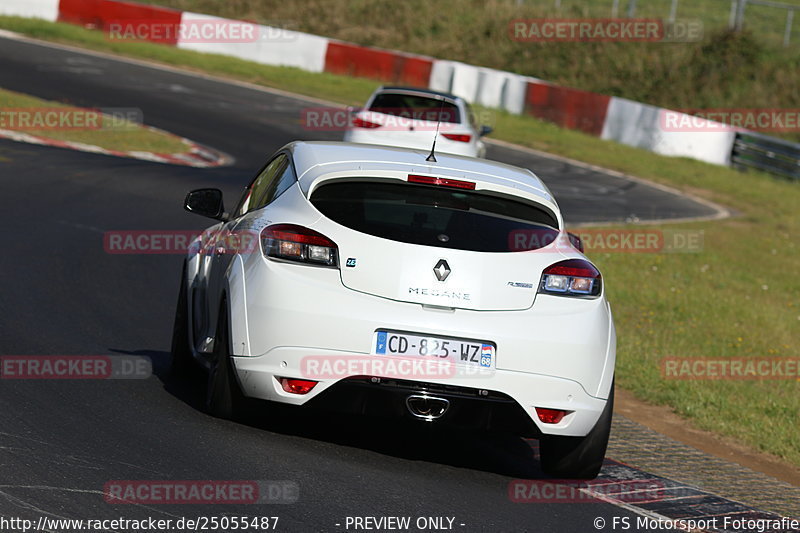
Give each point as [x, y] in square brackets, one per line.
[578, 457]
[182, 359]
[223, 397]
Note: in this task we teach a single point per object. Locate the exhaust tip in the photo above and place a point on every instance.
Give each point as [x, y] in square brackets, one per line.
[428, 408]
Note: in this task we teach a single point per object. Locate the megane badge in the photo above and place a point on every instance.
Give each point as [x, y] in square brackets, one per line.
[442, 270]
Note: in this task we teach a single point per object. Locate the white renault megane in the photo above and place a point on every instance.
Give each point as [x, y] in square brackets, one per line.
[381, 281]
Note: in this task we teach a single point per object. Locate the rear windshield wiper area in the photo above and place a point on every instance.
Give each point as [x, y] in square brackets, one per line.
[433, 216]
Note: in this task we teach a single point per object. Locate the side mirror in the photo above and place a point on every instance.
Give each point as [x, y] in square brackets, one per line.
[576, 241]
[205, 202]
[485, 130]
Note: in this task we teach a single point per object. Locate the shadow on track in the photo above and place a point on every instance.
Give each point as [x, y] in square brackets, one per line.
[502, 454]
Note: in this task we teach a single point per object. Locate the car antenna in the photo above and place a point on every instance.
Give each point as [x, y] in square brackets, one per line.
[432, 157]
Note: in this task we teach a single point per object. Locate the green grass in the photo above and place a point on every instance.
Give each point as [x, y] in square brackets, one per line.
[740, 296]
[766, 23]
[363, 21]
[102, 130]
[739, 71]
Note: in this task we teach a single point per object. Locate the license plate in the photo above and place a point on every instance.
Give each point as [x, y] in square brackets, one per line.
[458, 351]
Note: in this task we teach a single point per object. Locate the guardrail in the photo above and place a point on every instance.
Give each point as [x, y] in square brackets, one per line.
[768, 154]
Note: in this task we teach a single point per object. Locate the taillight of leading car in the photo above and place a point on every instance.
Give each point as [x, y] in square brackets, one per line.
[458, 137]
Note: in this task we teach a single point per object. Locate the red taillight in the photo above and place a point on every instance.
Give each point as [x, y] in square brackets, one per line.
[573, 277]
[460, 137]
[296, 243]
[551, 416]
[297, 386]
[361, 123]
[444, 182]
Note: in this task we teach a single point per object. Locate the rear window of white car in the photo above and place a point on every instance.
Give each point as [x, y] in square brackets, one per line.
[416, 107]
[433, 215]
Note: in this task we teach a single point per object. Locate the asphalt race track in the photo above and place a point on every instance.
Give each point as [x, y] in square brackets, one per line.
[62, 294]
[251, 124]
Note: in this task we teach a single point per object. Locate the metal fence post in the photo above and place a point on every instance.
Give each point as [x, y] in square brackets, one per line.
[787, 35]
[631, 8]
[673, 10]
[732, 18]
[740, 15]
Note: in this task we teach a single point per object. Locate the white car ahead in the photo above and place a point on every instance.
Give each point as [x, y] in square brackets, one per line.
[370, 280]
[406, 117]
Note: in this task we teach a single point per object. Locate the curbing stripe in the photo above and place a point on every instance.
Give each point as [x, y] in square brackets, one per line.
[196, 156]
[695, 505]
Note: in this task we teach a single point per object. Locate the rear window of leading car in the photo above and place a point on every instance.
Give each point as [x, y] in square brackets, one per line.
[433, 215]
[416, 107]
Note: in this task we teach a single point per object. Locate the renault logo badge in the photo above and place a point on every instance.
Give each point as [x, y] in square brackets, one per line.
[441, 270]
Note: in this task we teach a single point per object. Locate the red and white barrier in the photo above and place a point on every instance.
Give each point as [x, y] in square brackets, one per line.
[616, 119]
[483, 86]
[502, 90]
[386, 65]
[39, 9]
[641, 125]
[466, 81]
[103, 14]
[268, 46]
[569, 108]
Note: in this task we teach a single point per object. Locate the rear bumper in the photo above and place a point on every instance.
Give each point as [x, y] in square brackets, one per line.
[466, 408]
[476, 406]
[558, 354]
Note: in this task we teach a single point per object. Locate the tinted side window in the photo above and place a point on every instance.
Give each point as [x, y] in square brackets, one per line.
[280, 184]
[262, 187]
[257, 191]
[434, 216]
[472, 118]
